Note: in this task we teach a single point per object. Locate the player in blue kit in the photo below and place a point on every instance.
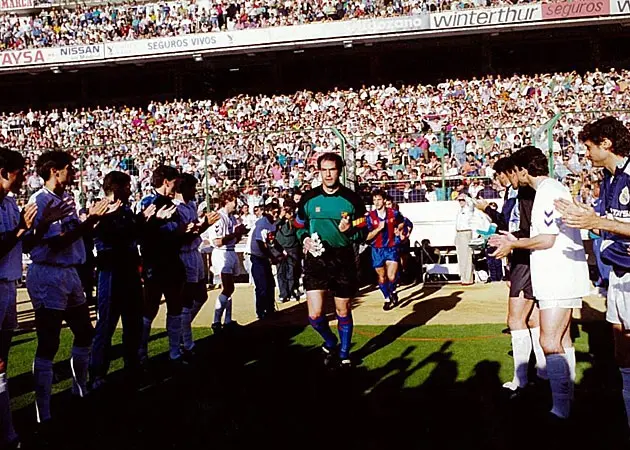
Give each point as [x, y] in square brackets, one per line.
[119, 283]
[383, 224]
[53, 283]
[195, 293]
[164, 273]
[13, 228]
[607, 144]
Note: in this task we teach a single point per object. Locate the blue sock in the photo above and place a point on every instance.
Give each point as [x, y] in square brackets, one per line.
[323, 328]
[345, 326]
[384, 287]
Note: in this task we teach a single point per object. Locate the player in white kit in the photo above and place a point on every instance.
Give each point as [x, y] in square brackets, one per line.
[53, 281]
[559, 272]
[224, 236]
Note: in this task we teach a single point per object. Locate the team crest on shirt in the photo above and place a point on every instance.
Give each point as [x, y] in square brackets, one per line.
[624, 197]
[318, 209]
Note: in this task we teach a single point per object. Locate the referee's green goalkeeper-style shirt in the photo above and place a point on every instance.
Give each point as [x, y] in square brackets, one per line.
[321, 213]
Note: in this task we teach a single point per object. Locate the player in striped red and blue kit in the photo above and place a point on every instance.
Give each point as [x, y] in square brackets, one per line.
[383, 226]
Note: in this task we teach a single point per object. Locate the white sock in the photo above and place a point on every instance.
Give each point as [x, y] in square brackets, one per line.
[625, 377]
[7, 432]
[541, 362]
[146, 332]
[79, 364]
[174, 331]
[521, 349]
[195, 310]
[43, 378]
[219, 307]
[569, 354]
[228, 311]
[560, 381]
[187, 336]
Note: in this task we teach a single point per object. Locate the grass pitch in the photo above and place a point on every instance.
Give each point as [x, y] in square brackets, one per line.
[264, 386]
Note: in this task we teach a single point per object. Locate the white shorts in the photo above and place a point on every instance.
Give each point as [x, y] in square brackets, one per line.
[567, 303]
[54, 287]
[618, 307]
[225, 262]
[8, 308]
[193, 262]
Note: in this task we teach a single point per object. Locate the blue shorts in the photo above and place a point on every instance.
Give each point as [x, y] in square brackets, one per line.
[381, 255]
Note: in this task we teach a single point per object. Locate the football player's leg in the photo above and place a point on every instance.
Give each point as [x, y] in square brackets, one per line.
[187, 305]
[78, 319]
[554, 323]
[225, 298]
[103, 332]
[173, 290]
[319, 322]
[533, 323]
[622, 356]
[48, 328]
[345, 326]
[129, 303]
[518, 311]
[8, 322]
[391, 266]
[618, 314]
[151, 305]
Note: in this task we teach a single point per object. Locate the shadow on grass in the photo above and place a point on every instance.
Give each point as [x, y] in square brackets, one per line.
[264, 386]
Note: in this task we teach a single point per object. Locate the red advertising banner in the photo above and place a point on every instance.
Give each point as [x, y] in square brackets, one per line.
[16, 4]
[575, 8]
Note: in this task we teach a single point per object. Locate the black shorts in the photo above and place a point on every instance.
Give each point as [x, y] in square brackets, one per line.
[334, 270]
[521, 281]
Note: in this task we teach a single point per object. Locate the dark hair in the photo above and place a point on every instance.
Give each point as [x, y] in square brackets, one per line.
[330, 156]
[227, 196]
[10, 160]
[608, 128]
[55, 159]
[185, 181]
[162, 173]
[271, 207]
[115, 179]
[289, 205]
[379, 193]
[504, 165]
[532, 159]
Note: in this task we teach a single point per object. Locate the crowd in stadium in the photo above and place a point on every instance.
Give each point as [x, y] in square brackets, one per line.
[391, 128]
[136, 20]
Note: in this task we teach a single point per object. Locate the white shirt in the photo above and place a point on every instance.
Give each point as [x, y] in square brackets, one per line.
[11, 263]
[224, 226]
[559, 272]
[463, 221]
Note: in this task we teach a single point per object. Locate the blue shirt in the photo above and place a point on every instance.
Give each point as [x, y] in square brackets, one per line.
[615, 198]
[11, 263]
[73, 254]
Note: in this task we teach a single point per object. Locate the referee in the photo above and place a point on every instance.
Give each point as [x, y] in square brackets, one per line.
[337, 215]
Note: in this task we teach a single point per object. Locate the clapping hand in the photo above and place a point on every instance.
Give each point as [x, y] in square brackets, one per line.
[54, 212]
[503, 243]
[28, 215]
[576, 214]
